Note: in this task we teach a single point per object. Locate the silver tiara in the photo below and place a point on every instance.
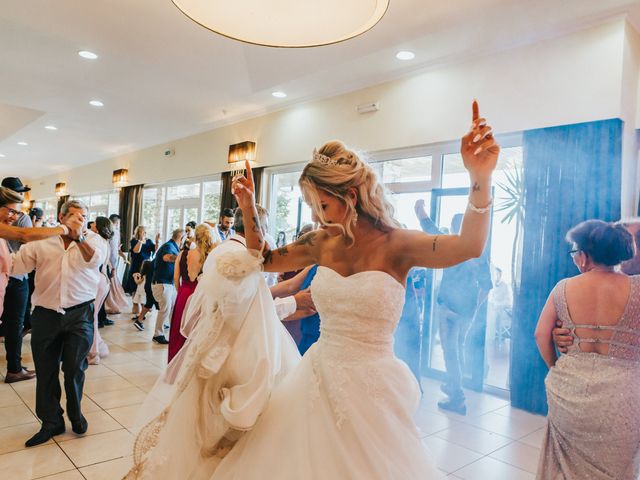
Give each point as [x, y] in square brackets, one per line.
[320, 158]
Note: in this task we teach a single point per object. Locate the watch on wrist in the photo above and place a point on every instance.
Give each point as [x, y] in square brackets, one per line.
[81, 238]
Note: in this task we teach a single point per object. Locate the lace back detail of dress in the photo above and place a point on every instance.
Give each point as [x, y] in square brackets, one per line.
[625, 340]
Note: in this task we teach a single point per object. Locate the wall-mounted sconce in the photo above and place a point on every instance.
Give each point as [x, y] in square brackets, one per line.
[120, 178]
[61, 189]
[240, 152]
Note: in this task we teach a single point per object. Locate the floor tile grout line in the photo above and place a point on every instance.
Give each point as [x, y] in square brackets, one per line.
[492, 458]
[58, 473]
[475, 451]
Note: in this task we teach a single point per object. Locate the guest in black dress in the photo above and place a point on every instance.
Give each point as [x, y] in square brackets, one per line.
[141, 249]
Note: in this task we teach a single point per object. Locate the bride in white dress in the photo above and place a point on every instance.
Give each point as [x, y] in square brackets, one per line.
[346, 411]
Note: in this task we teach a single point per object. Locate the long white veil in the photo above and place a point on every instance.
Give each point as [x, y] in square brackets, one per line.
[220, 381]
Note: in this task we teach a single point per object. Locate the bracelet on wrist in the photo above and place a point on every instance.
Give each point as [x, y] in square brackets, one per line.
[486, 209]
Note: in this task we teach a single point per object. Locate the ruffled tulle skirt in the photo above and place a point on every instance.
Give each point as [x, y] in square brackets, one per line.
[344, 413]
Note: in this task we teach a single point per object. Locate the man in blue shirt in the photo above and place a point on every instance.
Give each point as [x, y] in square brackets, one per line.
[225, 225]
[162, 284]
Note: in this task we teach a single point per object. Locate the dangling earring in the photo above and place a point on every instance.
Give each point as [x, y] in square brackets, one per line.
[355, 218]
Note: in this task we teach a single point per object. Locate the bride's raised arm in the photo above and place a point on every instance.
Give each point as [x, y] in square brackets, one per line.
[480, 154]
[295, 256]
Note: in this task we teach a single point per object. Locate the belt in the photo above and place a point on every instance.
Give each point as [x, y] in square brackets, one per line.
[161, 283]
[80, 305]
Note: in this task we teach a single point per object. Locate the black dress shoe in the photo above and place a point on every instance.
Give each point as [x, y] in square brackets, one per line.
[80, 426]
[108, 322]
[43, 436]
[161, 340]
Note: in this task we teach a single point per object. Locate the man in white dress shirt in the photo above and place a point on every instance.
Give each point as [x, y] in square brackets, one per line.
[66, 282]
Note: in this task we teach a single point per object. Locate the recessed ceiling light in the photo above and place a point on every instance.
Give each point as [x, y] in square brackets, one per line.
[2, 155]
[279, 94]
[87, 54]
[23, 144]
[405, 55]
[96, 103]
[51, 127]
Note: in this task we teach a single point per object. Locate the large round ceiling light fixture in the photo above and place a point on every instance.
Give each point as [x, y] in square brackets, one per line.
[286, 23]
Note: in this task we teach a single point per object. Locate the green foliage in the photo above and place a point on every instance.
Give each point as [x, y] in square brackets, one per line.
[212, 207]
[513, 202]
[282, 214]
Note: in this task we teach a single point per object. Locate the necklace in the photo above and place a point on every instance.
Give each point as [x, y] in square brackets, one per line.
[607, 270]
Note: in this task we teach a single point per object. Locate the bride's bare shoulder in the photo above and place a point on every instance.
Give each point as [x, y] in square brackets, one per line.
[401, 237]
[313, 238]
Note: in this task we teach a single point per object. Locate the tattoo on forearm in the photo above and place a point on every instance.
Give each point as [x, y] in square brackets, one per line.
[282, 251]
[476, 187]
[308, 239]
[435, 240]
[256, 224]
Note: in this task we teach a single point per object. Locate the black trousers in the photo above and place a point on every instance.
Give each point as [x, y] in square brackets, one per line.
[56, 338]
[102, 315]
[27, 313]
[15, 305]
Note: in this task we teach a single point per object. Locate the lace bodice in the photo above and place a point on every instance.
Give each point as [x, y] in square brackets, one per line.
[625, 340]
[363, 308]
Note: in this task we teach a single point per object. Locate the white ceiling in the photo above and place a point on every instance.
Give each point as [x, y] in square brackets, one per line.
[163, 77]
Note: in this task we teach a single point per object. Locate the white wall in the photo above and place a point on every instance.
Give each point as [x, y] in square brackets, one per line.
[571, 79]
[629, 113]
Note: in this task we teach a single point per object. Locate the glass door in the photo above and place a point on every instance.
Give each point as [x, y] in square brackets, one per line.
[178, 217]
[458, 294]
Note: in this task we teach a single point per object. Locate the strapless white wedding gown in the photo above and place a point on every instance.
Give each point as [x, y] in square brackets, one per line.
[346, 411]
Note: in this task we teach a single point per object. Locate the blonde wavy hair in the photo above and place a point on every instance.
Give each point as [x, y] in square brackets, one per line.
[137, 233]
[335, 169]
[204, 242]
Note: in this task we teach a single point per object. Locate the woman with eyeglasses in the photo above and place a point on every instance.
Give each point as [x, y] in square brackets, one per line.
[593, 427]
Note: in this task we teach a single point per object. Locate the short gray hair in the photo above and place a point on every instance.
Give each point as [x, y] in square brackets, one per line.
[73, 204]
[238, 218]
[178, 232]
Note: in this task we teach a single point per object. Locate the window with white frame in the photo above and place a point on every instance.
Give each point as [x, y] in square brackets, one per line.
[153, 210]
[287, 210]
[100, 204]
[211, 195]
[172, 205]
[50, 208]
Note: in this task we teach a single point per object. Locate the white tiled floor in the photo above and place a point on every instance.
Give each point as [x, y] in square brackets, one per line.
[494, 441]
